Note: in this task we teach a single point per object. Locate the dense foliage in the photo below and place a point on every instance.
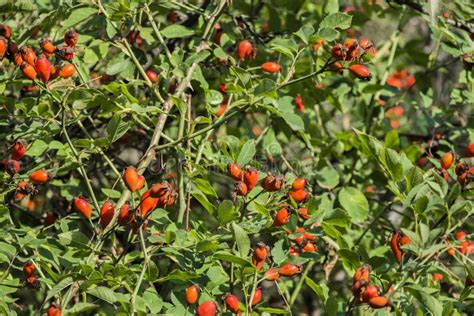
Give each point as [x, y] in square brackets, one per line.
[238, 157]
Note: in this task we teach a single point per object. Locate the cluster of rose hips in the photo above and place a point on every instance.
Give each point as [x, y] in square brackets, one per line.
[248, 179]
[231, 302]
[364, 292]
[33, 65]
[245, 181]
[223, 106]
[162, 194]
[352, 51]
[31, 282]
[401, 80]
[299, 103]
[210, 308]
[465, 246]
[54, 310]
[18, 150]
[24, 188]
[396, 242]
[464, 173]
[245, 50]
[302, 240]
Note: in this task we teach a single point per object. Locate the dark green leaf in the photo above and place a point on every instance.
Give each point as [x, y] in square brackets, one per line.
[117, 128]
[226, 212]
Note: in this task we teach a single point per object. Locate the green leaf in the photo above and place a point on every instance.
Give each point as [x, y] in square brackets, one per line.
[74, 239]
[118, 64]
[104, 293]
[178, 275]
[226, 256]
[414, 177]
[176, 31]
[278, 252]
[337, 217]
[419, 206]
[305, 33]
[226, 212]
[81, 307]
[392, 140]
[294, 121]
[214, 97]
[84, 143]
[198, 195]
[38, 148]
[246, 153]
[431, 303]
[217, 276]
[116, 128]
[180, 104]
[267, 88]
[391, 159]
[355, 203]
[7, 249]
[113, 194]
[349, 257]
[207, 245]
[8, 286]
[153, 300]
[64, 283]
[111, 32]
[285, 46]
[272, 310]
[242, 240]
[327, 177]
[197, 57]
[336, 20]
[328, 34]
[285, 105]
[331, 6]
[204, 186]
[220, 53]
[78, 15]
[320, 289]
[331, 306]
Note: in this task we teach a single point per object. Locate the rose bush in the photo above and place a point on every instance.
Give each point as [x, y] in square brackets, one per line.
[236, 157]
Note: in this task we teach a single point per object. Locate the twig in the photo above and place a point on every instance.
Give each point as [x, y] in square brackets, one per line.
[417, 7]
[254, 288]
[297, 289]
[157, 32]
[376, 217]
[315, 73]
[142, 71]
[142, 273]
[76, 154]
[284, 298]
[181, 167]
[211, 127]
